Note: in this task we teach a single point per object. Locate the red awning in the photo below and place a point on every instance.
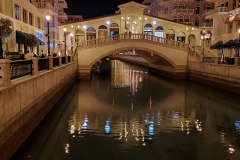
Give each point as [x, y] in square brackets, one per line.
[203, 32]
[229, 20]
[236, 17]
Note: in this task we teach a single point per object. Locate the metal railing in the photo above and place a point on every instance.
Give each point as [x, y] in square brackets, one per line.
[43, 64]
[63, 60]
[216, 10]
[20, 68]
[136, 37]
[56, 61]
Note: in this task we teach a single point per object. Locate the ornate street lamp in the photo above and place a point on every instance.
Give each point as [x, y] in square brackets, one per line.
[1, 52]
[48, 19]
[65, 49]
[71, 41]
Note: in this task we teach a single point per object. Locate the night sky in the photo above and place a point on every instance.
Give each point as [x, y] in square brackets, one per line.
[94, 8]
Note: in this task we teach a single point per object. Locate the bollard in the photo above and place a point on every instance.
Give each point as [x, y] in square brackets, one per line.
[50, 61]
[35, 66]
[5, 68]
[60, 61]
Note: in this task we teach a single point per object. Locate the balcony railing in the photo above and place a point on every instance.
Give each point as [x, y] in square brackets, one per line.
[217, 10]
[62, 14]
[43, 5]
[62, 3]
[182, 10]
[163, 2]
[163, 12]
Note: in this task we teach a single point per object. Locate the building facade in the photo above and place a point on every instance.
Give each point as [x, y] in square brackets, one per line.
[191, 12]
[29, 17]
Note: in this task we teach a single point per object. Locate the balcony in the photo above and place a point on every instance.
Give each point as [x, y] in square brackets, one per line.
[182, 11]
[163, 12]
[207, 24]
[163, 2]
[62, 3]
[206, 10]
[216, 12]
[46, 6]
[62, 15]
[188, 23]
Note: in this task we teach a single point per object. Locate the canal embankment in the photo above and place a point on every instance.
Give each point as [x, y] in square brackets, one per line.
[25, 103]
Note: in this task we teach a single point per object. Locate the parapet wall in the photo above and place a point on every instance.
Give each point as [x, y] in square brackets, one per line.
[25, 102]
[226, 77]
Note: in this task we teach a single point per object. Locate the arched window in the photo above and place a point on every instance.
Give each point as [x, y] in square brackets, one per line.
[196, 22]
[182, 5]
[186, 18]
[197, 10]
[187, 5]
[180, 18]
[175, 5]
[102, 27]
[175, 18]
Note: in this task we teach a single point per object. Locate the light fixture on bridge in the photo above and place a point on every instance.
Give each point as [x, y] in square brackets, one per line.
[154, 22]
[78, 26]
[65, 46]
[84, 27]
[48, 19]
[108, 22]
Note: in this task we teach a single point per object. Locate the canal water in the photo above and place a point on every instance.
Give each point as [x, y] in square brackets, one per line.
[125, 113]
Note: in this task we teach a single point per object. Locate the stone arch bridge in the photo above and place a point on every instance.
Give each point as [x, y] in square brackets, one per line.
[165, 54]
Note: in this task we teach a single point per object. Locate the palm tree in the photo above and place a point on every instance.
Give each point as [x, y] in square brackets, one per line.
[6, 31]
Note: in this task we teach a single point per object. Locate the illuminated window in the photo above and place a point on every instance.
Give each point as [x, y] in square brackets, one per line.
[38, 23]
[24, 15]
[17, 12]
[30, 19]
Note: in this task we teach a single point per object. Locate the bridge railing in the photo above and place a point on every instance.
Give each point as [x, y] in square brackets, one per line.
[133, 37]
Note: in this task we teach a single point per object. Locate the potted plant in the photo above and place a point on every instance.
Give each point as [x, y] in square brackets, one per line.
[31, 41]
[6, 32]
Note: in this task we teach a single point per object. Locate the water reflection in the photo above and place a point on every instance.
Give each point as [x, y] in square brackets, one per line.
[134, 115]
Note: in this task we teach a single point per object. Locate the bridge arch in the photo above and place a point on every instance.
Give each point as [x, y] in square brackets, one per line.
[145, 52]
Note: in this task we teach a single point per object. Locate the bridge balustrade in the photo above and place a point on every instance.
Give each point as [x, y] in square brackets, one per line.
[133, 37]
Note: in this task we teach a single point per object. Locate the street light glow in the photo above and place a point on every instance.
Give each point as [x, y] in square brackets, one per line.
[48, 17]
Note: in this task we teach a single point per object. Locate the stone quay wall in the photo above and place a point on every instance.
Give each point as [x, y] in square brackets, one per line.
[222, 76]
[26, 101]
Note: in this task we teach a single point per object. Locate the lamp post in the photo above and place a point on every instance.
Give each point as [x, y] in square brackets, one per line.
[1, 49]
[71, 42]
[48, 19]
[238, 41]
[65, 49]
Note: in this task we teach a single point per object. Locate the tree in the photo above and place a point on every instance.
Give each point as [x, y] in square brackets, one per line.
[31, 40]
[6, 32]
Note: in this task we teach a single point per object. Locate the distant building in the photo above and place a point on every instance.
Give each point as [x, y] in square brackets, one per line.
[29, 16]
[191, 12]
[74, 18]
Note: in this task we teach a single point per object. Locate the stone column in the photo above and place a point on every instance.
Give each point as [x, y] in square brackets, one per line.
[50, 61]
[5, 69]
[66, 57]
[236, 59]
[35, 66]
[60, 61]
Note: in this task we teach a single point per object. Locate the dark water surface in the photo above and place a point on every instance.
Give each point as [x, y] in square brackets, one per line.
[133, 115]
